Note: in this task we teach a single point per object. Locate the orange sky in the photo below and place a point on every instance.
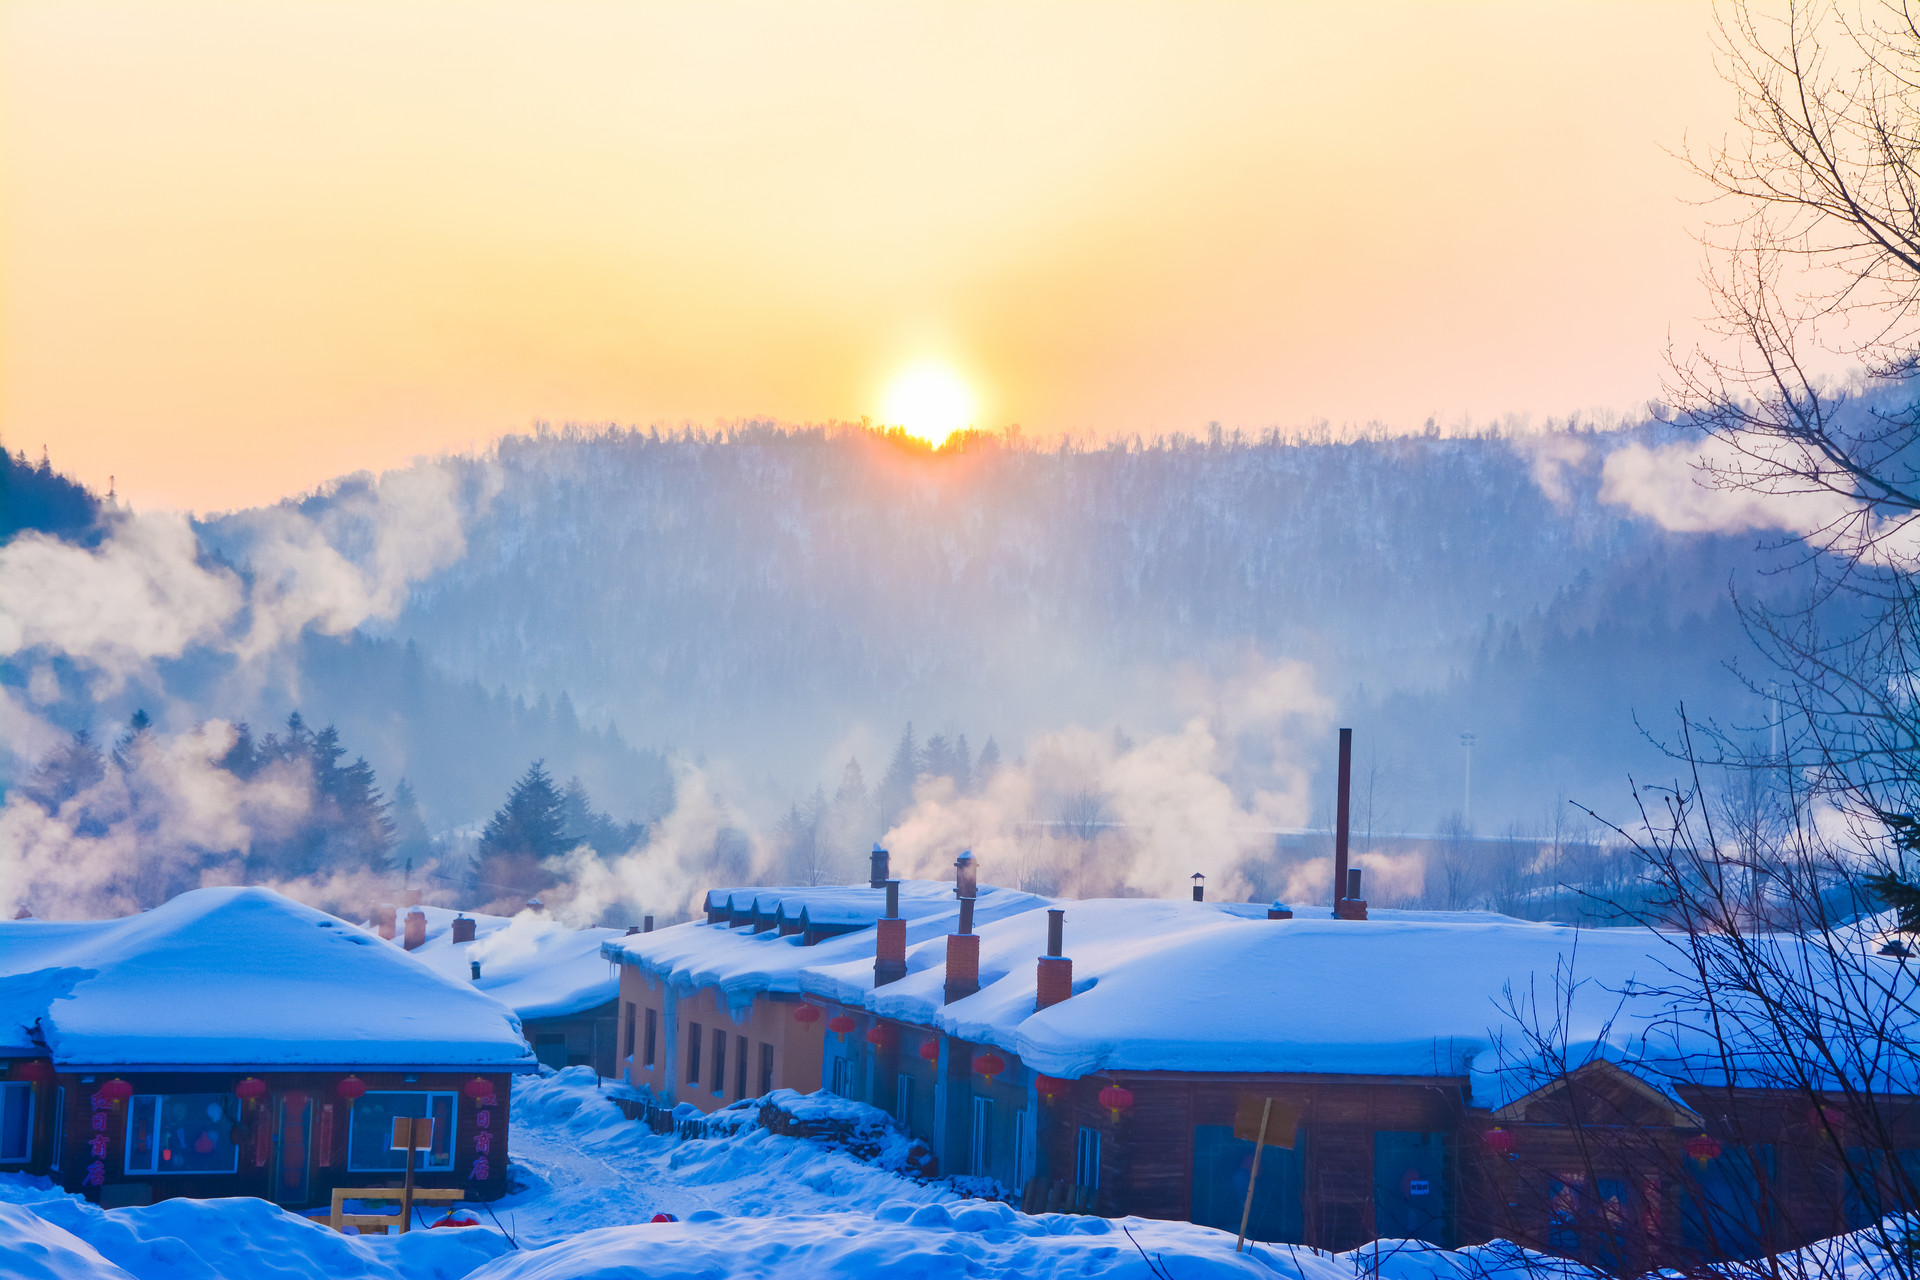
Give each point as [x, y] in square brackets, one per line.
[247, 246]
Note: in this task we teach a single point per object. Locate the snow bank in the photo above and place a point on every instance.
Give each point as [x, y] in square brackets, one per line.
[986, 1239]
[224, 1239]
[241, 978]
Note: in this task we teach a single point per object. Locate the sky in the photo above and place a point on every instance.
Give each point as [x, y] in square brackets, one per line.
[248, 246]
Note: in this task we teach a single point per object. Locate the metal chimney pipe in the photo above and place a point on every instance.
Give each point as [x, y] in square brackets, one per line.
[877, 870]
[1340, 819]
[646, 924]
[1056, 927]
[1353, 884]
[966, 915]
[893, 899]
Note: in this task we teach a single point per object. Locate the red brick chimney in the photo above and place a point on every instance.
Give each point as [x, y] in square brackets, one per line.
[383, 920]
[1054, 982]
[416, 928]
[890, 947]
[463, 928]
[963, 965]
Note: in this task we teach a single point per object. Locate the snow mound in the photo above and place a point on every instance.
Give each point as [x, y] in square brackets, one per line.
[985, 1240]
[236, 1238]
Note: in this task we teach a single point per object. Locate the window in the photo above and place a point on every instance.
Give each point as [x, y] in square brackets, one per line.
[59, 1126]
[1086, 1159]
[16, 1122]
[370, 1129]
[766, 1068]
[740, 1067]
[839, 1084]
[626, 1043]
[653, 1036]
[693, 1053]
[719, 1062]
[980, 1145]
[182, 1133]
[1022, 1148]
[903, 1100]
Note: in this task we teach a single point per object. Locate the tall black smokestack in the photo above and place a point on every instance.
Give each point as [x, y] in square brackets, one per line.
[1340, 820]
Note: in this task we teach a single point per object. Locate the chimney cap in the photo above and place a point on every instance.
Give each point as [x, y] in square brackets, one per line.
[535, 904]
[1198, 876]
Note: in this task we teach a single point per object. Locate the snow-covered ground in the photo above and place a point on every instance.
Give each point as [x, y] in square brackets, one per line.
[751, 1203]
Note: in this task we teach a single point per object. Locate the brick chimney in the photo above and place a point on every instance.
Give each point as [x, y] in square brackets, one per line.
[463, 928]
[1054, 982]
[1353, 906]
[963, 965]
[890, 947]
[1279, 911]
[416, 928]
[383, 920]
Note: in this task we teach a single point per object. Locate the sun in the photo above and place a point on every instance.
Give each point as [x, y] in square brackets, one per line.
[929, 400]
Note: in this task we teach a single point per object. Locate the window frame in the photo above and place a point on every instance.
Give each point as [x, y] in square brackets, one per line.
[1086, 1158]
[980, 1138]
[719, 1062]
[903, 1100]
[766, 1068]
[59, 1127]
[9, 1089]
[652, 1038]
[696, 1036]
[741, 1049]
[423, 1164]
[158, 1101]
[626, 1041]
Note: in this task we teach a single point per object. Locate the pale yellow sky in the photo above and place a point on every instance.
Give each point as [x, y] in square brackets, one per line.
[248, 246]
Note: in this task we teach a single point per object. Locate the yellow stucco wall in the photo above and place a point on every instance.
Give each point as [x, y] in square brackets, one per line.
[796, 1046]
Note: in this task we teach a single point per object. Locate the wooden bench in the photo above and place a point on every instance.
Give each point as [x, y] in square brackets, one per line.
[341, 1219]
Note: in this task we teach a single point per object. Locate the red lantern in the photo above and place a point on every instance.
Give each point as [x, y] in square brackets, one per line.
[477, 1088]
[1050, 1087]
[351, 1088]
[115, 1090]
[989, 1065]
[1703, 1147]
[882, 1036]
[1822, 1116]
[841, 1024]
[250, 1088]
[1115, 1099]
[930, 1049]
[1499, 1140]
[806, 1014]
[34, 1071]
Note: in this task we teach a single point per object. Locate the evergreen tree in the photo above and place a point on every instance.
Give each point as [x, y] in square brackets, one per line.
[988, 764]
[896, 787]
[532, 823]
[962, 765]
[936, 758]
[63, 775]
[412, 847]
[128, 745]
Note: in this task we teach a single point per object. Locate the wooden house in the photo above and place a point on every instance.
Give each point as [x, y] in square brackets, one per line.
[234, 1042]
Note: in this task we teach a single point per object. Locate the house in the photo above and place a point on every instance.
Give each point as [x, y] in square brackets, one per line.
[552, 977]
[1419, 1074]
[234, 1042]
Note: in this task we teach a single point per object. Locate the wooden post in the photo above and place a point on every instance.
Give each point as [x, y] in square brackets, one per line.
[412, 1133]
[1246, 1211]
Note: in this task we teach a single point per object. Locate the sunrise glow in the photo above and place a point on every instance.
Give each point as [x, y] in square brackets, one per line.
[929, 400]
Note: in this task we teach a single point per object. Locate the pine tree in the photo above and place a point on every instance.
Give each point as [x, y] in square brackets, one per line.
[412, 846]
[76, 766]
[128, 746]
[532, 822]
[936, 757]
[896, 787]
[987, 765]
[962, 765]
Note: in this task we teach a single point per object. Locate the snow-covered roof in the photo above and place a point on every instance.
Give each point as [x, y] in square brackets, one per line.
[531, 963]
[744, 963]
[238, 978]
[1216, 987]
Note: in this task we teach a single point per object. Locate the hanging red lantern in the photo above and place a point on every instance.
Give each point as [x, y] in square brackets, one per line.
[1115, 1099]
[351, 1088]
[882, 1036]
[34, 1071]
[1821, 1116]
[250, 1088]
[840, 1023]
[989, 1065]
[1050, 1087]
[1499, 1140]
[930, 1049]
[115, 1090]
[477, 1088]
[807, 1014]
[1703, 1147]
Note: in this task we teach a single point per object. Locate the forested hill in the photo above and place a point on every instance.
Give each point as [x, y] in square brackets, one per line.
[762, 595]
[35, 496]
